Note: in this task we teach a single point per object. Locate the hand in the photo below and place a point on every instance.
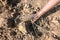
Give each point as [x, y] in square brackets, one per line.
[35, 17]
[46, 8]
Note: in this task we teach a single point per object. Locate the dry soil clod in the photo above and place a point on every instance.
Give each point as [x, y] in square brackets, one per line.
[13, 2]
[11, 23]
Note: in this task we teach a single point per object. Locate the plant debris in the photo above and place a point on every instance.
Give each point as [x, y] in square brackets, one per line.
[31, 28]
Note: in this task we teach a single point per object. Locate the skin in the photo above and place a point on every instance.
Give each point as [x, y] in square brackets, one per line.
[46, 8]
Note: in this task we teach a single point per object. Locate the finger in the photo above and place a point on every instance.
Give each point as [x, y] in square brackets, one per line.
[34, 15]
[35, 18]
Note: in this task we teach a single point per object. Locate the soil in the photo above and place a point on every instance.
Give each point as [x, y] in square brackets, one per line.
[15, 24]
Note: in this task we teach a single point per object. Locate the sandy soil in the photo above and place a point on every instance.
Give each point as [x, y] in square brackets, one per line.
[15, 24]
